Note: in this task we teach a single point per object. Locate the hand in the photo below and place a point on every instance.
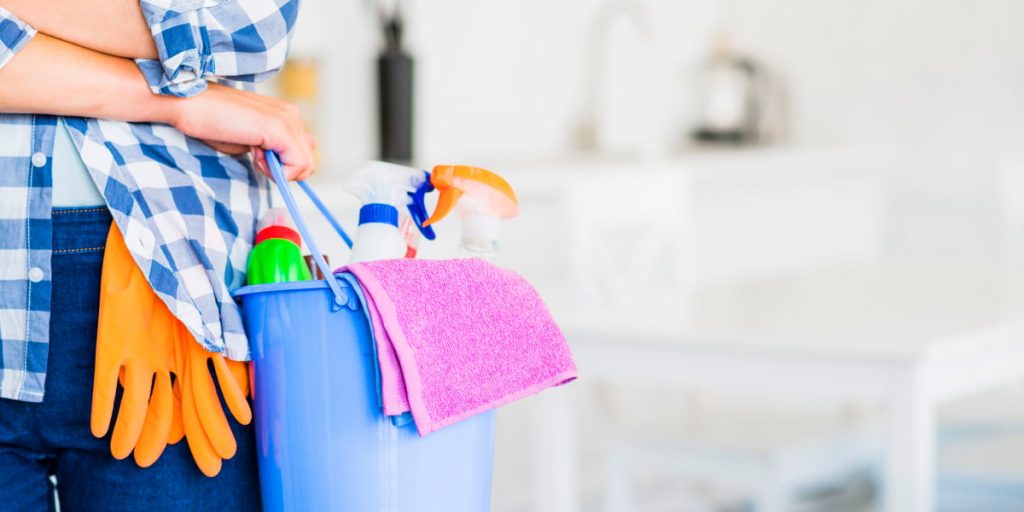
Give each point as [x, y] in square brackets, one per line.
[229, 119]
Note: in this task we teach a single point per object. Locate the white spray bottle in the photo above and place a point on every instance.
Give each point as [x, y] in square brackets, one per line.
[384, 190]
[483, 199]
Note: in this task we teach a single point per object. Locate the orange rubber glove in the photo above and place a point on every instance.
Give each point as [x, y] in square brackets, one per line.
[134, 344]
[139, 338]
[206, 427]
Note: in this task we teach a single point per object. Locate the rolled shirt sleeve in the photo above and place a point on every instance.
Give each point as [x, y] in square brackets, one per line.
[14, 35]
[232, 40]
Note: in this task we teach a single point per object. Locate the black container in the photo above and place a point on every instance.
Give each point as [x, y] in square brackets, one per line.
[395, 95]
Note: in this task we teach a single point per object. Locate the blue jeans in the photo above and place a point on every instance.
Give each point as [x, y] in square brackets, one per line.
[52, 438]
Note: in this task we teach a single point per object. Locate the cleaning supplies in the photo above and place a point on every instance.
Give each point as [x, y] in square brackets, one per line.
[384, 190]
[323, 442]
[277, 254]
[456, 338]
[135, 336]
[483, 199]
[141, 343]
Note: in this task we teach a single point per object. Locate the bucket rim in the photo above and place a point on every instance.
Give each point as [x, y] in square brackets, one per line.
[284, 287]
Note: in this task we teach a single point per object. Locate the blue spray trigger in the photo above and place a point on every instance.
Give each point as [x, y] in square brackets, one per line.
[418, 207]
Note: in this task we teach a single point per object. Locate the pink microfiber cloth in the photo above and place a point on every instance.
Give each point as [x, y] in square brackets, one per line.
[458, 337]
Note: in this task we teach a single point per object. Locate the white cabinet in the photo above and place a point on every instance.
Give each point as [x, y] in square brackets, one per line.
[631, 228]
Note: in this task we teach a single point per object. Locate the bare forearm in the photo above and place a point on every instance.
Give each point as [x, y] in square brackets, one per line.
[115, 27]
[51, 76]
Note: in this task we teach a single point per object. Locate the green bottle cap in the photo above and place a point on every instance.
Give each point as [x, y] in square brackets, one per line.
[276, 260]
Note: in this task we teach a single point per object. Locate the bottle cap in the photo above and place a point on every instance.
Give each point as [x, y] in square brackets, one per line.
[279, 231]
[378, 212]
[275, 217]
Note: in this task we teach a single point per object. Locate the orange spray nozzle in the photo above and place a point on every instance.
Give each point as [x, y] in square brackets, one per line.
[454, 181]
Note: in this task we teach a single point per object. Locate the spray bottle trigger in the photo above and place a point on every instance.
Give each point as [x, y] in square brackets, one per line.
[446, 202]
[418, 207]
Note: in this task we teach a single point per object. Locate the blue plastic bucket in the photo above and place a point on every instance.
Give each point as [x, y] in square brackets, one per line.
[323, 441]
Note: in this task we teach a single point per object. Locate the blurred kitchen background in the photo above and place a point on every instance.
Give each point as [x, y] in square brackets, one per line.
[785, 238]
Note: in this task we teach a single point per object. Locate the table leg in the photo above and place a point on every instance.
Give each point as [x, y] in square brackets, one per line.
[554, 452]
[911, 445]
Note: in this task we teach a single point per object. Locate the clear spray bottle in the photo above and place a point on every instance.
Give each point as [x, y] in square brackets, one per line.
[483, 199]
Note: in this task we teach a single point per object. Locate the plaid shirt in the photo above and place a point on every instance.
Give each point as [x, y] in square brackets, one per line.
[187, 212]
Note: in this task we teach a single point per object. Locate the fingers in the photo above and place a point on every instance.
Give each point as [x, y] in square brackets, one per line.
[208, 407]
[206, 458]
[114, 280]
[259, 160]
[177, 431]
[156, 430]
[181, 340]
[231, 386]
[243, 375]
[104, 388]
[304, 163]
[132, 414]
[295, 147]
[312, 141]
[298, 168]
[309, 141]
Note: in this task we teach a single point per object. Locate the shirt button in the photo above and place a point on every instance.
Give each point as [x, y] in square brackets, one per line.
[35, 274]
[38, 159]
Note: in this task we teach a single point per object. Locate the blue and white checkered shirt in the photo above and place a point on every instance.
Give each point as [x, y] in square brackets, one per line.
[187, 212]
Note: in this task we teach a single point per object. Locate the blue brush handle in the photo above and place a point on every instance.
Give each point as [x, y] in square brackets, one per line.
[326, 213]
[340, 297]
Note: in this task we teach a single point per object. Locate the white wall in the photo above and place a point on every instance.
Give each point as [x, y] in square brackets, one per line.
[505, 78]
[498, 78]
[934, 71]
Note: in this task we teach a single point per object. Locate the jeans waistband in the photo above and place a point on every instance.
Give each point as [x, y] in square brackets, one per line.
[78, 230]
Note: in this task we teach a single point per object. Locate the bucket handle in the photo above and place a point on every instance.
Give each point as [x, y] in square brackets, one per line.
[277, 172]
